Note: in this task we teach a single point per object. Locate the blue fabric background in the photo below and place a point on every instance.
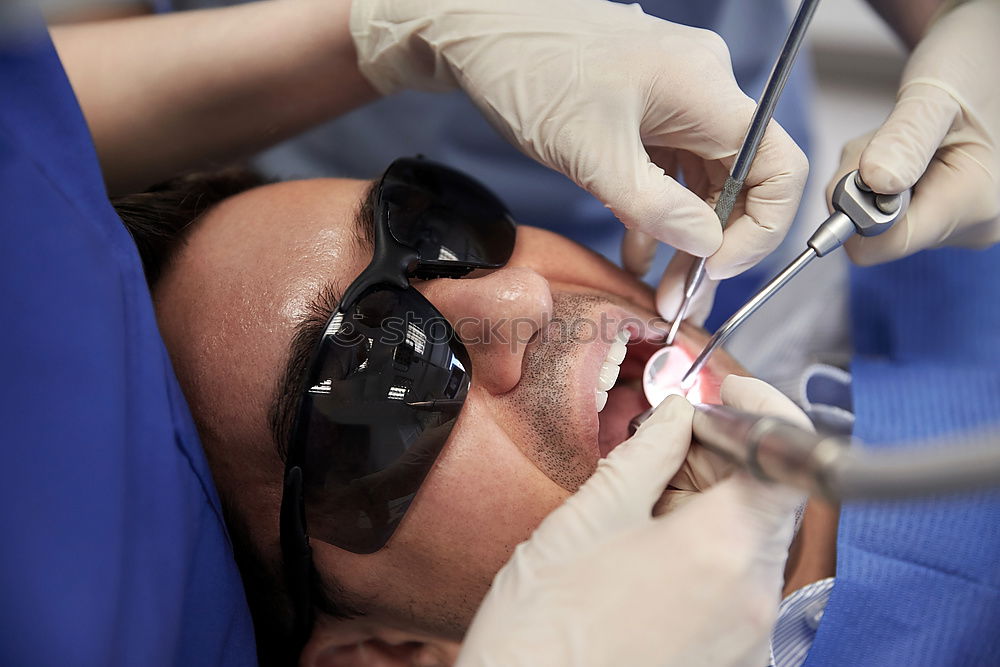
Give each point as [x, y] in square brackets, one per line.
[918, 583]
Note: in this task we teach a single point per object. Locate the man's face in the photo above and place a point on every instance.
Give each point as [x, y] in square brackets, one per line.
[528, 435]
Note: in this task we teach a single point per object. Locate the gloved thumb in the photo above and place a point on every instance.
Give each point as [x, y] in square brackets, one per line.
[621, 494]
[899, 152]
[645, 198]
[671, 290]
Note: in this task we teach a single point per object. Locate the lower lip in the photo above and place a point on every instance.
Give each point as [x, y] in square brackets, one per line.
[663, 373]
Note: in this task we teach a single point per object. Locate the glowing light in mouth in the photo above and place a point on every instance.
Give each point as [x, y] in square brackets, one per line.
[663, 373]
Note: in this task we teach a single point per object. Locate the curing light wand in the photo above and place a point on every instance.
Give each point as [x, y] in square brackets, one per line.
[856, 210]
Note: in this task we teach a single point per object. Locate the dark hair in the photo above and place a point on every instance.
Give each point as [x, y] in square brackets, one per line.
[158, 220]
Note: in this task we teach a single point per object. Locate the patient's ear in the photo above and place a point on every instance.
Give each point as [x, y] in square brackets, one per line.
[390, 648]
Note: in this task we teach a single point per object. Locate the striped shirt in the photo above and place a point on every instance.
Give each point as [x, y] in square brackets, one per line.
[798, 619]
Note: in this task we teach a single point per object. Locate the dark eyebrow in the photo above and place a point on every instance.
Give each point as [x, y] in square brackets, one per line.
[364, 217]
[285, 399]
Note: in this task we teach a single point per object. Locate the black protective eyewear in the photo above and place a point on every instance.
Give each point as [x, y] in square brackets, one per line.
[389, 376]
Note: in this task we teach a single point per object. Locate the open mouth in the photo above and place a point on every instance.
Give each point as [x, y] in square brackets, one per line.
[625, 397]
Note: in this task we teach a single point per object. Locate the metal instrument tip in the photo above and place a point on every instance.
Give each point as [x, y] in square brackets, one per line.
[675, 326]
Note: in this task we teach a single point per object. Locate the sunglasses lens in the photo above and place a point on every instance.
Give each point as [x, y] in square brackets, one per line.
[445, 215]
[388, 389]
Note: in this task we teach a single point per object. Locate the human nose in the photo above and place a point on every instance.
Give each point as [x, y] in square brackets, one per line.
[495, 316]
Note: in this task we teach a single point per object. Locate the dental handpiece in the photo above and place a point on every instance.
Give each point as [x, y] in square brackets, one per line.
[856, 210]
[839, 468]
[748, 150]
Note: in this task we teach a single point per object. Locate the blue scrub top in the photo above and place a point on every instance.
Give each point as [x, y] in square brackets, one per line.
[114, 549]
[448, 128]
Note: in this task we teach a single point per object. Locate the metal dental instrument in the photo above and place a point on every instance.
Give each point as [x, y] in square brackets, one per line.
[857, 210]
[755, 133]
[838, 468]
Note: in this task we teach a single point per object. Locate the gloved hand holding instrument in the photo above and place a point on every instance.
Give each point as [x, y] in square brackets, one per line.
[608, 96]
[601, 566]
[692, 298]
[942, 139]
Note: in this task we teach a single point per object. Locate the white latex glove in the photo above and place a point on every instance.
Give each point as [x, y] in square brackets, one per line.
[607, 95]
[671, 290]
[944, 136]
[703, 469]
[602, 582]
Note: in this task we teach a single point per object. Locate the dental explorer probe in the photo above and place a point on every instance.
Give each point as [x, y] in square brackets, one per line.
[751, 142]
[856, 209]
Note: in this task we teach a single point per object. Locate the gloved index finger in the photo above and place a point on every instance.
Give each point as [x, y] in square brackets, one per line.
[621, 494]
[619, 172]
[654, 203]
[947, 194]
[767, 206]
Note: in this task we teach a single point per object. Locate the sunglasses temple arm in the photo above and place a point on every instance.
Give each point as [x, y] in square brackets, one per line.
[442, 405]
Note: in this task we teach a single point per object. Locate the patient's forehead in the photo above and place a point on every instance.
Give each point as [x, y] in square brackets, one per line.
[229, 303]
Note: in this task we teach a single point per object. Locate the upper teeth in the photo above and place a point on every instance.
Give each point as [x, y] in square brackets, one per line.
[609, 370]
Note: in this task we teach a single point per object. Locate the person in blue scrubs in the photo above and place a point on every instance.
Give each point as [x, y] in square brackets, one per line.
[114, 549]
